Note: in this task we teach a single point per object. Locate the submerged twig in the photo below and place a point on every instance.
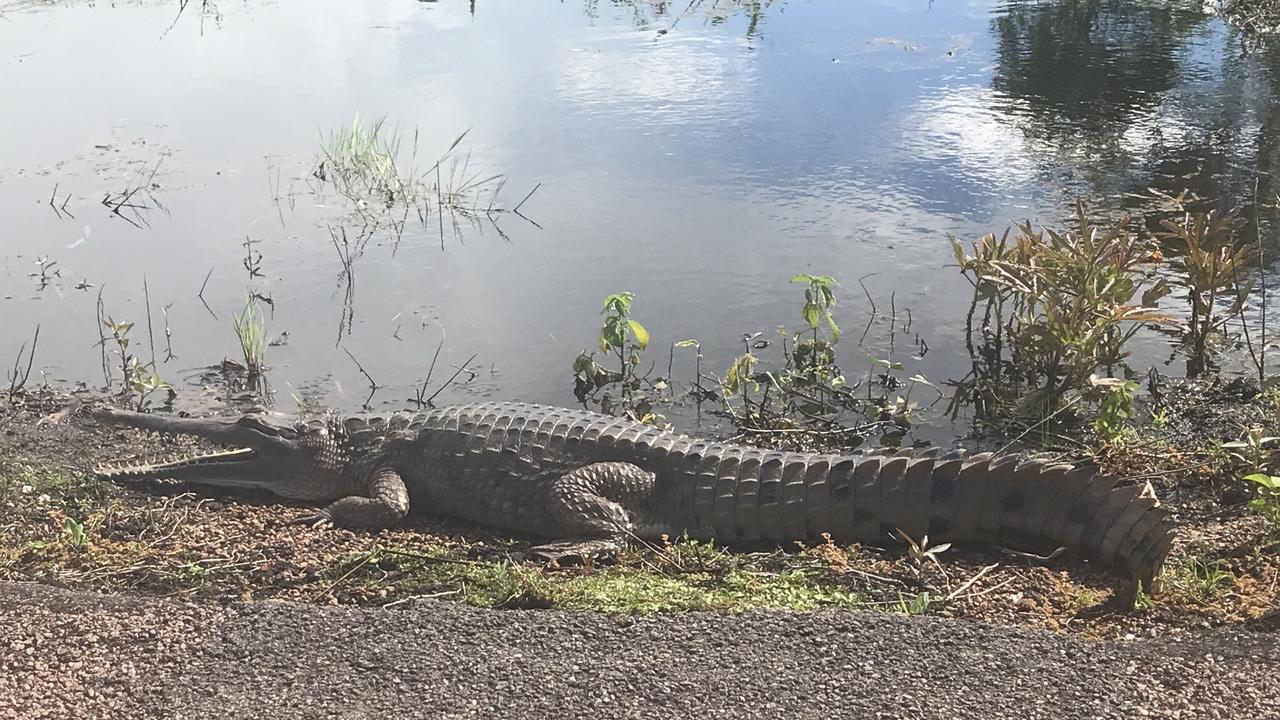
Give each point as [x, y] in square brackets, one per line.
[373, 385]
[200, 294]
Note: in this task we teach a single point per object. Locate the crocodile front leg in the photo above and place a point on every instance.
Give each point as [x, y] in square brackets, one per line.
[387, 504]
[596, 507]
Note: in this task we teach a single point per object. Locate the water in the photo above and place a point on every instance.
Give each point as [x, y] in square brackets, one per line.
[696, 156]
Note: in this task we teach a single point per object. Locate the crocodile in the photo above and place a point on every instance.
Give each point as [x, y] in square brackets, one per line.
[588, 483]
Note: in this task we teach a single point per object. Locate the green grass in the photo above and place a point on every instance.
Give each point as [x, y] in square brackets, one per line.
[1200, 578]
[363, 158]
[622, 589]
[24, 477]
[251, 330]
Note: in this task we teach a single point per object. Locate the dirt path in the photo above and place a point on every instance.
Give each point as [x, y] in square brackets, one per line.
[65, 653]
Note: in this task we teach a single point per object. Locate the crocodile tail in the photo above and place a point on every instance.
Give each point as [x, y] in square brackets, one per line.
[1017, 502]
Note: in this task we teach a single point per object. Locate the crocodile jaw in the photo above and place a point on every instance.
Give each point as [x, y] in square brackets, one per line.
[209, 467]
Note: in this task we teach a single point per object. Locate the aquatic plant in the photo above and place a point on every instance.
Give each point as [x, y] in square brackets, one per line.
[625, 338]
[137, 377]
[1209, 262]
[1058, 307]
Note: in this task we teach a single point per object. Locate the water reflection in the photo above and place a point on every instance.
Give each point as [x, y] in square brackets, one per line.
[695, 153]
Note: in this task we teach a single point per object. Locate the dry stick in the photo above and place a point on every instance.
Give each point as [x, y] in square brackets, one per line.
[986, 591]
[451, 378]
[969, 583]
[14, 383]
[53, 195]
[151, 338]
[872, 318]
[873, 576]
[526, 197]
[440, 203]
[428, 558]
[1032, 556]
[102, 339]
[201, 293]
[1260, 358]
[365, 561]
[423, 390]
[373, 386]
[428, 596]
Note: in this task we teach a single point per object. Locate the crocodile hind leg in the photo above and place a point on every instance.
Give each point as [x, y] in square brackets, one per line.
[387, 504]
[596, 507]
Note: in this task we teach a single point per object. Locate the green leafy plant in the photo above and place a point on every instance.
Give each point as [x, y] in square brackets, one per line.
[1267, 502]
[74, 530]
[1058, 306]
[1258, 454]
[1115, 409]
[624, 338]
[1209, 263]
[808, 390]
[813, 359]
[137, 377]
[915, 605]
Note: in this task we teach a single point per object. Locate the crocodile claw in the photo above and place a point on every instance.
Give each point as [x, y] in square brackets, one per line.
[584, 549]
[317, 519]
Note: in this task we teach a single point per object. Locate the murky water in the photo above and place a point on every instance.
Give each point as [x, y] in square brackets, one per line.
[697, 154]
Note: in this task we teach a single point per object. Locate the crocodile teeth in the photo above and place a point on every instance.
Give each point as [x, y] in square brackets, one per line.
[158, 468]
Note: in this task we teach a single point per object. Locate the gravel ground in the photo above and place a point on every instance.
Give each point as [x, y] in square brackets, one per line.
[76, 654]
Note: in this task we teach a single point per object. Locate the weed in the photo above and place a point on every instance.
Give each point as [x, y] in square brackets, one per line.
[1200, 578]
[1267, 502]
[74, 531]
[137, 377]
[191, 572]
[1142, 600]
[251, 330]
[1115, 409]
[366, 165]
[916, 605]
[920, 552]
[363, 160]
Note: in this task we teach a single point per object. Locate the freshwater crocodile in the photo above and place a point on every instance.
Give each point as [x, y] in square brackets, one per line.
[589, 482]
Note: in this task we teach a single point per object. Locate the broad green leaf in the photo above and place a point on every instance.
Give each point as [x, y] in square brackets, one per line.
[810, 314]
[1269, 482]
[641, 335]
